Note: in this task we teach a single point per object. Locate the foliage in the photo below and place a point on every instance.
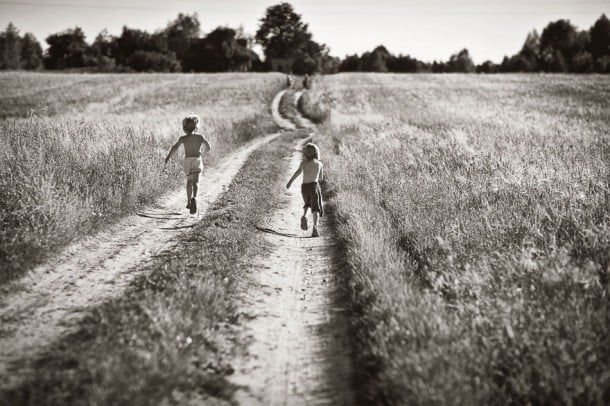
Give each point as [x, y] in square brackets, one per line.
[600, 38]
[381, 60]
[10, 48]
[282, 32]
[284, 35]
[460, 62]
[145, 61]
[562, 48]
[221, 50]
[180, 34]
[132, 40]
[31, 53]
[67, 49]
[286, 40]
[18, 52]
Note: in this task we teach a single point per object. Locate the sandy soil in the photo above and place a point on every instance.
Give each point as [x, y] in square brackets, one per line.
[48, 303]
[275, 112]
[298, 351]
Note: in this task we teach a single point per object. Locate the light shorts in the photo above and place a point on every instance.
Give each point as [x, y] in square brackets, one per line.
[192, 165]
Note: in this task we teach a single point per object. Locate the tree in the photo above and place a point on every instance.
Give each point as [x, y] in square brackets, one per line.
[559, 36]
[282, 33]
[220, 50]
[405, 63]
[330, 64]
[181, 33]
[351, 63]
[309, 58]
[517, 63]
[100, 52]
[375, 61]
[31, 53]
[67, 49]
[461, 62]
[132, 40]
[554, 61]
[10, 48]
[529, 56]
[147, 61]
[487, 67]
[600, 37]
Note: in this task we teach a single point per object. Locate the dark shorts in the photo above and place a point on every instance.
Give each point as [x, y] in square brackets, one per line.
[312, 196]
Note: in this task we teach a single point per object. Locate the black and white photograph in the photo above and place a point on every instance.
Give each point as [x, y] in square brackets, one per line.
[304, 202]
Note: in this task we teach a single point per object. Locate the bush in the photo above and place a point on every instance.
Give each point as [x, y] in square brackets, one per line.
[145, 61]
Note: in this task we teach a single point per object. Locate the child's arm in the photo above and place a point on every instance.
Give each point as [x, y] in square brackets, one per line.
[321, 172]
[208, 147]
[174, 148]
[297, 173]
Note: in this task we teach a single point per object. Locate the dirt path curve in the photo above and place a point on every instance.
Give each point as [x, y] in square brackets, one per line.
[275, 112]
[299, 349]
[48, 303]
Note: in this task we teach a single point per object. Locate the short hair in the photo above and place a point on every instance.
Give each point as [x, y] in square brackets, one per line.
[311, 151]
[190, 119]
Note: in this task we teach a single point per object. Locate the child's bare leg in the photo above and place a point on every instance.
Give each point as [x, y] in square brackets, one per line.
[195, 184]
[316, 216]
[304, 219]
[189, 189]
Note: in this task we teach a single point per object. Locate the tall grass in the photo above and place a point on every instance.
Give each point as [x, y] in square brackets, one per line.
[63, 175]
[475, 217]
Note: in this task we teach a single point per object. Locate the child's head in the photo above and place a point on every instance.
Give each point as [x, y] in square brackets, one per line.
[311, 151]
[190, 123]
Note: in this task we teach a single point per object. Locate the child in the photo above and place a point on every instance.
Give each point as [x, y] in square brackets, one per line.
[306, 82]
[313, 171]
[289, 81]
[191, 164]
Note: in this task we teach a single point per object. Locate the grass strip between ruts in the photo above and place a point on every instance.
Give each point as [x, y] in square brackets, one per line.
[169, 338]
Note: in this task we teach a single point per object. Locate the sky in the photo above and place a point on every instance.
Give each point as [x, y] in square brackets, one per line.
[425, 29]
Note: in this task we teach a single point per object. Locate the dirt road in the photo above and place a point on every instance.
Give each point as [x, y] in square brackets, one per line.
[299, 349]
[48, 303]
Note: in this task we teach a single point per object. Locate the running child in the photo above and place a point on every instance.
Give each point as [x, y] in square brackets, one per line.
[192, 163]
[313, 172]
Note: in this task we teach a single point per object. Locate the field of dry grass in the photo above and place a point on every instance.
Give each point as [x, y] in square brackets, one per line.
[78, 150]
[475, 216]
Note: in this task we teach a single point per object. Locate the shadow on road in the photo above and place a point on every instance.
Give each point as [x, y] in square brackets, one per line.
[271, 231]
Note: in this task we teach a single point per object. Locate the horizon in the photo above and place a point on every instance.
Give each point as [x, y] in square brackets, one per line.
[488, 29]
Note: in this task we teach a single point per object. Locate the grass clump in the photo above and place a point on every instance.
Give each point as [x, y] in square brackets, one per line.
[170, 338]
[475, 221]
[314, 105]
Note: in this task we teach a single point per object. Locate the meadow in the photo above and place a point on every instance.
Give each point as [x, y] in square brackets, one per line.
[79, 150]
[474, 212]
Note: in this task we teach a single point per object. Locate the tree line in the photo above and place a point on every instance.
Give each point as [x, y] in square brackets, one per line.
[559, 48]
[288, 46]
